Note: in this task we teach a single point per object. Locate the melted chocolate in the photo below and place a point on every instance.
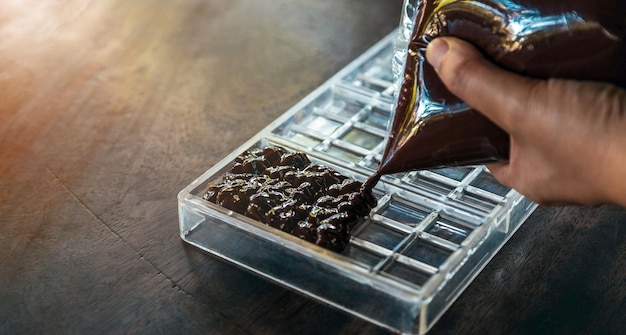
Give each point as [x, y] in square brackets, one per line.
[577, 39]
[286, 191]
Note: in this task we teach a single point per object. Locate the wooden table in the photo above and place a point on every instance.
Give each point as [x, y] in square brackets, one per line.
[109, 108]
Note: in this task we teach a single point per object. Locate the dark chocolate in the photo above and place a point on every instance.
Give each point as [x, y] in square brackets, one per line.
[286, 191]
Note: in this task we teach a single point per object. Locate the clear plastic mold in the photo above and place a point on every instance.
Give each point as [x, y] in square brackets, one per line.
[430, 235]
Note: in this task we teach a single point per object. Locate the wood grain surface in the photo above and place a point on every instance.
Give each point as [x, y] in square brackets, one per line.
[109, 108]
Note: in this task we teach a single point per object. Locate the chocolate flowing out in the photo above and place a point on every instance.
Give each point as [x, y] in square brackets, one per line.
[577, 39]
[285, 190]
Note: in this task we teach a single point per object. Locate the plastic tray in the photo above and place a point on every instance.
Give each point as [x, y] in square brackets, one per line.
[430, 235]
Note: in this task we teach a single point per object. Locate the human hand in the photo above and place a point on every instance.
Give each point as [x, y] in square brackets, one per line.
[568, 138]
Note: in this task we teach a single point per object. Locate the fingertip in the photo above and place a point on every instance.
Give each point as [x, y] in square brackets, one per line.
[438, 48]
[435, 52]
[457, 63]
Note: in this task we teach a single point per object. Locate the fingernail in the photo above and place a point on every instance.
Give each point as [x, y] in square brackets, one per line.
[435, 51]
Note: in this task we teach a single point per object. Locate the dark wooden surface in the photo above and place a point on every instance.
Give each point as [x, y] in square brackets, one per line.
[109, 108]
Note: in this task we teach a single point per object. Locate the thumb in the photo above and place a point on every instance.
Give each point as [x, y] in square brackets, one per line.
[500, 95]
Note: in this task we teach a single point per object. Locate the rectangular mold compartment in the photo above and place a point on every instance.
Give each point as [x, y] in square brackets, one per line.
[429, 237]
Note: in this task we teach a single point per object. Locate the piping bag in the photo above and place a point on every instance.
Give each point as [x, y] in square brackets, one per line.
[432, 128]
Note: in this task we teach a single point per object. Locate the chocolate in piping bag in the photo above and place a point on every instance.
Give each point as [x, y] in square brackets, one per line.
[432, 128]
